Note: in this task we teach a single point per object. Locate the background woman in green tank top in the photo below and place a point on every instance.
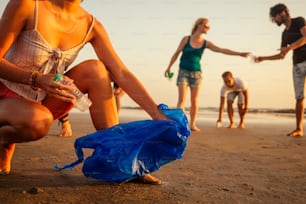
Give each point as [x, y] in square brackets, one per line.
[190, 72]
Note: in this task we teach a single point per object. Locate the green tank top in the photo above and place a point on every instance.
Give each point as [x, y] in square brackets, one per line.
[190, 59]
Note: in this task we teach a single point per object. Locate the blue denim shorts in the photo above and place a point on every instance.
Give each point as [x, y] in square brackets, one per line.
[190, 78]
[299, 73]
[232, 95]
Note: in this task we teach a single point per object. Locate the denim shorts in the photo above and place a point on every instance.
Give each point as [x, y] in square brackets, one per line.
[299, 73]
[190, 78]
[232, 95]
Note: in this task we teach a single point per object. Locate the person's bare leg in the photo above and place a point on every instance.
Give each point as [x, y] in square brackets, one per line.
[6, 154]
[182, 92]
[27, 123]
[230, 112]
[299, 115]
[118, 103]
[66, 130]
[91, 77]
[242, 115]
[194, 108]
[118, 99]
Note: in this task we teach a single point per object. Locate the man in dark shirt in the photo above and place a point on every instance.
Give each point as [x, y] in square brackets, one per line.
[293, 38]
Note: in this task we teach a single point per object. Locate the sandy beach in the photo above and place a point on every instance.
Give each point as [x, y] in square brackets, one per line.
[258, 164]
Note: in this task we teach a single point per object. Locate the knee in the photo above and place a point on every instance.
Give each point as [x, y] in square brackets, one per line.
[41, 128]
[36, 126]
[90, 74]
[93, 69]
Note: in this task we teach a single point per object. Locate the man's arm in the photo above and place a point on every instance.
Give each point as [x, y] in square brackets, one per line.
[299, 43]
[284, 50]
[246, 101]
[221, 108]
[271, 57]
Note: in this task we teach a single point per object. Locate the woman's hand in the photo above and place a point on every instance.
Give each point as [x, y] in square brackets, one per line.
[167, 72]
[56, 89]
[245, 54]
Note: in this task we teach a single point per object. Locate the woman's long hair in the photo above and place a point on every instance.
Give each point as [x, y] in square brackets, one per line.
[197, 23]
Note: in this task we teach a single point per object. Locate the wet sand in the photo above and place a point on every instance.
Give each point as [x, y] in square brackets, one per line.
[258, 164]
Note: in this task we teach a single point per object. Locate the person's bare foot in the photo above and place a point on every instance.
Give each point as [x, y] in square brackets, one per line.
[149, 179]
[296, 133]
[232, 125]
[241, 126]
[6, 154]
[195, 128]
[66, 130]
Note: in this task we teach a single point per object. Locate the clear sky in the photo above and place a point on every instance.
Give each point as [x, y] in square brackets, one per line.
[146, 34]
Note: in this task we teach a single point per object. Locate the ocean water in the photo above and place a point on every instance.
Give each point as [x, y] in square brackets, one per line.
[210, 115]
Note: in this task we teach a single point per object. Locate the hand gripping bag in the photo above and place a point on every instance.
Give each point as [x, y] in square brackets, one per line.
[127, 151]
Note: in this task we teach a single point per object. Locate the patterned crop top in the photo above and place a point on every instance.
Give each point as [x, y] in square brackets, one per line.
[32, 52]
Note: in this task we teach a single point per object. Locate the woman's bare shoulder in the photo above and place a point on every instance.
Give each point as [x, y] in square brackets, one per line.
[185, 38]
[20, 4]
[19, 8]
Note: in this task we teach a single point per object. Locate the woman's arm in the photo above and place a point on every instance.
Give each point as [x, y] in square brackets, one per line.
[17, 16]
[176, 54]
[13, 20]
[215, 48]
[120, 73]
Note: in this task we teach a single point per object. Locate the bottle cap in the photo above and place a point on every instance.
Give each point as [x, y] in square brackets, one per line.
[170, 75]
[57, 77]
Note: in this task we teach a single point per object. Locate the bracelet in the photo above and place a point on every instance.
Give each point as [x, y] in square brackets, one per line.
[32, 80]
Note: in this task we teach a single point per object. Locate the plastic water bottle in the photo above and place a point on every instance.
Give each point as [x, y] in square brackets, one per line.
[252, 58]
[82, 101]
[219, 124]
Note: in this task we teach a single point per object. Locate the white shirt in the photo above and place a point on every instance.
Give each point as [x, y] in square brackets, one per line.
[239, 86]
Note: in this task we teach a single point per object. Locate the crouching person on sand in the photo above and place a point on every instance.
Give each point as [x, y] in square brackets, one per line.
[39, 39]
[233, 87]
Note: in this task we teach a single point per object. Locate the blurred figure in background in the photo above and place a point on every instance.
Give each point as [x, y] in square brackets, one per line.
[233, 87]
[293, 38]
[190, 71]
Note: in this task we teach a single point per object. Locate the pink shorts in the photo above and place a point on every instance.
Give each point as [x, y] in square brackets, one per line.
[6, 93]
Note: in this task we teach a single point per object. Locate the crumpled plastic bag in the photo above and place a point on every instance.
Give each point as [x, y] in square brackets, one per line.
[127, 151]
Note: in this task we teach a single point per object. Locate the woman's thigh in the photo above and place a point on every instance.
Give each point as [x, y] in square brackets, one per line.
[88, 74]
[18, 109]
[92, 77]
[22, 120]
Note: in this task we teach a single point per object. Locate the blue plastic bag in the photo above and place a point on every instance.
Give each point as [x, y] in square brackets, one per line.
[127, 151]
